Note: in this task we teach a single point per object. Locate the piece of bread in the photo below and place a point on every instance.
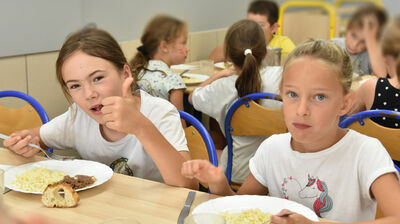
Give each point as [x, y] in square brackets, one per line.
[52, 198]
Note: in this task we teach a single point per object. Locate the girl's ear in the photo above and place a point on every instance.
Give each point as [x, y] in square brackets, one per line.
[127, 71]
[163, 47]
[348, 102]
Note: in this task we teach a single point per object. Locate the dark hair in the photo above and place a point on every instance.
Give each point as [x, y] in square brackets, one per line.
[356, 21]
[94, 42]
[161, 27]
[242, 35]
[267, 8]
[390, 41]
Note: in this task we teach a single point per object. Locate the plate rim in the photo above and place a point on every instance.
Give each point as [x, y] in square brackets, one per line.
[249, 197]
[108, 175]
[197, 74]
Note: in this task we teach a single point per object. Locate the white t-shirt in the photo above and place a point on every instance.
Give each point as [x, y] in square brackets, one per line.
[216, 99]
[334, 182]
[83, 134]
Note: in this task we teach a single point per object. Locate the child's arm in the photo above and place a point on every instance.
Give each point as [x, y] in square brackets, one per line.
[18, 142]
[365, 96]
[224, 73]
[123, 114]
[218, 55]
[370, 29]
[205, 172]
[176, 98]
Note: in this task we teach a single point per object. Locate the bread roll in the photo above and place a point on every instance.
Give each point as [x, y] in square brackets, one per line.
[52, 198]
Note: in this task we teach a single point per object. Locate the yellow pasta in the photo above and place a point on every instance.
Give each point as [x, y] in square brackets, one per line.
[37, 179]
[251, 216]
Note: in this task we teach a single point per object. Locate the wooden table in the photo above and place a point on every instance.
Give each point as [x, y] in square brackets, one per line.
[190, 88]
[121, 196]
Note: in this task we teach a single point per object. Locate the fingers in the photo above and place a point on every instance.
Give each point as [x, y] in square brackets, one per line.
[20, 146]
[126, 87]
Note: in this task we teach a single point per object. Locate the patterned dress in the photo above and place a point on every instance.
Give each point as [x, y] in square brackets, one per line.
[158, 80]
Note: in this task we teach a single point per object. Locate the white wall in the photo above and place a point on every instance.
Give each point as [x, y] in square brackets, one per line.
[32, 26]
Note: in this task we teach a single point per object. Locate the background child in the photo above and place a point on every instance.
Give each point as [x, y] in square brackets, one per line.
[164, 44]
[265, 13]
[340, 174]
[106, 123]
[245, 46]
[384, 93]
[361, 41]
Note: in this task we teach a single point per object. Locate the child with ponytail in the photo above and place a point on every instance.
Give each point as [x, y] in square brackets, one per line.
[164, 43]
[245, 46]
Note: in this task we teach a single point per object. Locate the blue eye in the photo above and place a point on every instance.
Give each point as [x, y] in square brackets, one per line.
[320, 97]
[291, 94]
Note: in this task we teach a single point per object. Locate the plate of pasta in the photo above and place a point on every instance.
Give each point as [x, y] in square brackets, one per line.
[34, 177]
[191, 79]
[253, 209]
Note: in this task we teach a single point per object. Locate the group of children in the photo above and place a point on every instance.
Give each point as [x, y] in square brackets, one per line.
[112, 120]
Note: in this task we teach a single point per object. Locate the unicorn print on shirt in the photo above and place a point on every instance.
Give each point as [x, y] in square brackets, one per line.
[314, 189]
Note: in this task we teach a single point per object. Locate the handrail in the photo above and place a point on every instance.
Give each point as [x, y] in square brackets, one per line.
[309, 4]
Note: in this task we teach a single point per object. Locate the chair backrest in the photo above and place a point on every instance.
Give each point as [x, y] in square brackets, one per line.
[389, 137]
[296, 23]
[26, 117]
[247, 118]
[199, 141]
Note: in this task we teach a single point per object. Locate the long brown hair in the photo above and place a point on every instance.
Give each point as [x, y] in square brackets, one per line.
[242, 35]
[94, 42]
[390, 42]
[161, 27]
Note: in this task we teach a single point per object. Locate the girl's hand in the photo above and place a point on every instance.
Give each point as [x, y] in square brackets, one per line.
[370, 28]
[293, 218]
[122, 113]
[227, 72]
[18, 143]
[204, 171]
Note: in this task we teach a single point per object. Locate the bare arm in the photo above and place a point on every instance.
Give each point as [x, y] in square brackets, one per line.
[123, 114]
[176, 98]
[376, 58]
[217, 55]
[224, 73]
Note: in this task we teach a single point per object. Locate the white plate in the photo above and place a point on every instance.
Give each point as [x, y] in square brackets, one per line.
[70, 167]
[184, 67]
[5, 167]
[220, 65]
[239, 203]
[198, 78]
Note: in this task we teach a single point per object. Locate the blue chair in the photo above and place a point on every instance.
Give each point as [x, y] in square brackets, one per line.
[13, 119]
[200, 143]
[247, 118]
[389, 137]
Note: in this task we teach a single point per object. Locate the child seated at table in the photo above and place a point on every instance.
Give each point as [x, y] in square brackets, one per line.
[339, 173]
[361, 41]
[265, 13]
[245, 46]
[110, 120]
[164, 43]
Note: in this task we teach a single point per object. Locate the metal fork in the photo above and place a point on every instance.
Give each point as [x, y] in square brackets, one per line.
[48, 154]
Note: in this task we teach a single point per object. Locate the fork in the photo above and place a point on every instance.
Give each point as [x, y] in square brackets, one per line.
[48, 154]
[184, 71]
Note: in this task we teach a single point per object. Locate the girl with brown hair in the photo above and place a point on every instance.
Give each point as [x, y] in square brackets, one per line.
[245, 46]
[106, 122]
[164, 43]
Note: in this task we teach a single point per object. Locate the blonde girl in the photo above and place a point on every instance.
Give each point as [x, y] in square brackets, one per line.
[106, 122]
[164, 43]
[245, 46]
[339, 173]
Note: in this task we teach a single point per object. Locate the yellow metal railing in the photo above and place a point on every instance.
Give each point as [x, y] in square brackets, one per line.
[309, 4]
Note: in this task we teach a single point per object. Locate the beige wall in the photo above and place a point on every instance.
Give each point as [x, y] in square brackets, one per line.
[34, 74]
